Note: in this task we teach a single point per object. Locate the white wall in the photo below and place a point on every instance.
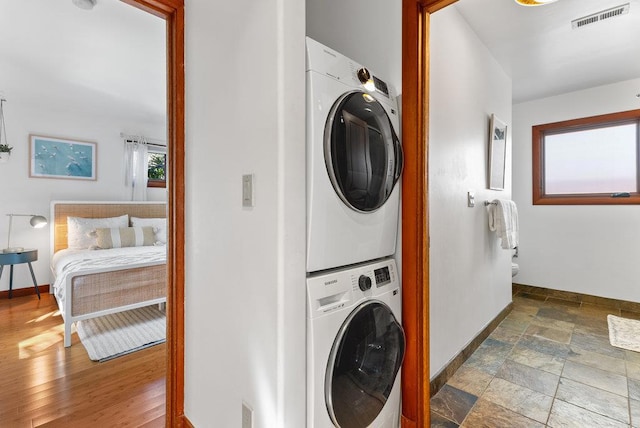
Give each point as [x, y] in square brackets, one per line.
[585, 249]
[245, 267]
[245, 285]
[24, 195]
[470, 275]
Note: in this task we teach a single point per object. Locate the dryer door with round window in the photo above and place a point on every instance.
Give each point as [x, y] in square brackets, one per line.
[364, 362]
[362, 151]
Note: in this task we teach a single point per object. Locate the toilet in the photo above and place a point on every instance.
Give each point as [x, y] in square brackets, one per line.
[514, 269]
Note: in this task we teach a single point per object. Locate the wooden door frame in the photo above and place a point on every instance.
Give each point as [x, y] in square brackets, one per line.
[415, 214]
[172, 11]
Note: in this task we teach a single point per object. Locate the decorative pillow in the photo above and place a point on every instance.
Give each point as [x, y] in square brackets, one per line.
[79, 229]
[159, 227]
[119, 237]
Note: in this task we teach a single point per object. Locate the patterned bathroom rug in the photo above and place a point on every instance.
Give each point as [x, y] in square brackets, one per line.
[624, 333]
[122, 333]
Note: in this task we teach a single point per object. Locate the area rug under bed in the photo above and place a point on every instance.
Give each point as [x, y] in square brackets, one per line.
[624, 333]
[119, 334]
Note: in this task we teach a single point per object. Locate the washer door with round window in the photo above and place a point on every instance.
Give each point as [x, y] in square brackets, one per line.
[362, 152]
[363, 365]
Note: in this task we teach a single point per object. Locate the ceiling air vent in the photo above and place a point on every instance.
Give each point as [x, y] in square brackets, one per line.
[600, 16]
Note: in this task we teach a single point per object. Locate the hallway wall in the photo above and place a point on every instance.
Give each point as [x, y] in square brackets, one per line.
[470, 275]
[244, 267]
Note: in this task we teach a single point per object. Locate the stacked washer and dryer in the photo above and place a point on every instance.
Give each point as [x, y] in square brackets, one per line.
[355, 343]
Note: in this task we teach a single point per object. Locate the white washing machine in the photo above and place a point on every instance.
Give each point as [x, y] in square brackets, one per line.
[355, 347]
[354, 161]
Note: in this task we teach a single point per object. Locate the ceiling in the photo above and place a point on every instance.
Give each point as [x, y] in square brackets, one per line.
[112, 58]
[109, 60]
[544, 56]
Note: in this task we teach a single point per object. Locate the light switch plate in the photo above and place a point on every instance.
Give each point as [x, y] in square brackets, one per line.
[247, 190]
[247, 416]
[471, 199]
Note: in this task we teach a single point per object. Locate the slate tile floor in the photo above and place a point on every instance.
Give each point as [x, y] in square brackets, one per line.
[548, 364]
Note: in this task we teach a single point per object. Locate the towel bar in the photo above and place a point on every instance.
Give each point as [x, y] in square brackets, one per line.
[487, 203]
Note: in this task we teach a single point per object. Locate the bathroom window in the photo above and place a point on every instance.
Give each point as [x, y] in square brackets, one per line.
[588, 161]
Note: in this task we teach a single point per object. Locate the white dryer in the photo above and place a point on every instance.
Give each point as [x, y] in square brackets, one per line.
[355, 347]
[354, 161]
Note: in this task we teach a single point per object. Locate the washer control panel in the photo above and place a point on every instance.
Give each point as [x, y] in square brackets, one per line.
[383, 277]
[340, 288]
[369, 278]
[364, 282]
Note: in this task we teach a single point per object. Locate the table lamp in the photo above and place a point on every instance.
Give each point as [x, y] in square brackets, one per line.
[37, 221]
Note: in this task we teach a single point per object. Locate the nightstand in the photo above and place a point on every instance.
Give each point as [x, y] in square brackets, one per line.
[19, 257]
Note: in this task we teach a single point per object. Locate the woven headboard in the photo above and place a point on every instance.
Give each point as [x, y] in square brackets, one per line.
[60, 210]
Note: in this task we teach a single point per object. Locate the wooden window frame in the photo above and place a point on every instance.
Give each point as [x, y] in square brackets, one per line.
[593, 122]
[157, 183]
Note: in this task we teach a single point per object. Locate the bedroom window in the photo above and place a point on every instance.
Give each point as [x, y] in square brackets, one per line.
[156, 169]
[588, 161]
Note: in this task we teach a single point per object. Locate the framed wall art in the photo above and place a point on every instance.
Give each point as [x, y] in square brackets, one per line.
[497, 153]
[51, 157]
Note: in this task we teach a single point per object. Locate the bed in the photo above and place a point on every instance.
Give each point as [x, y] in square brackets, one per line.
[94, 282]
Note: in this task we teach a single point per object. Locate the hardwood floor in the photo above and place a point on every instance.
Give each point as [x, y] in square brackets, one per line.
[44, 384]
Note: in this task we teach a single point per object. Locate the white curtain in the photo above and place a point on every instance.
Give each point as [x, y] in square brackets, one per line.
[135, 170]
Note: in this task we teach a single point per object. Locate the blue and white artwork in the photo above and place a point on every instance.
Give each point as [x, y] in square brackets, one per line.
[57, 158]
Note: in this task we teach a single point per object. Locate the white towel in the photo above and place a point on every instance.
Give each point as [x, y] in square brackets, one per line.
[503, 219]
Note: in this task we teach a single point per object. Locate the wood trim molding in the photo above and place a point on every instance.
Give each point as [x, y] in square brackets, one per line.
[541, 293]
[536, 157]
[415, 257]
[431, 6]
[27, 291]
[440, 379]
[160, 8]
[173, 12]
[415, 216]
[186, 423]
[157, 183]
[175, 296]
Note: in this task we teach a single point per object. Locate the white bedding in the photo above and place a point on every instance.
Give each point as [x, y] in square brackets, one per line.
[66, 262]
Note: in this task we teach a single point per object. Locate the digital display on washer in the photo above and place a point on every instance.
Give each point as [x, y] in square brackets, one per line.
[382, 276]
[381, 86]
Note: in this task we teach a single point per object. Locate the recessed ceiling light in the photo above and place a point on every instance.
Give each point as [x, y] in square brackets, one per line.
[534, 2]
[85, 4]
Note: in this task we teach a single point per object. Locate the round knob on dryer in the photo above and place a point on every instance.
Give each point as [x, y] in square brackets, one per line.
[364, 282]
[363, 75]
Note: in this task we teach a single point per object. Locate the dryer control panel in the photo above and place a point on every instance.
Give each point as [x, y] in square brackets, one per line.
[381, 86]
[326, 61]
